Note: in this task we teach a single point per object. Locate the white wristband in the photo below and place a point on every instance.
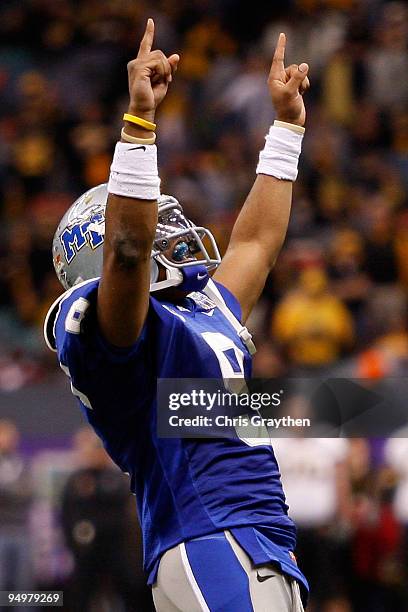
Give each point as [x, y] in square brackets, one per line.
[280, 155]
[134, 171]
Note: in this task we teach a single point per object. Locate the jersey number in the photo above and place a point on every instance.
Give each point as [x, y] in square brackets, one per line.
[231, 362]
[230, 359]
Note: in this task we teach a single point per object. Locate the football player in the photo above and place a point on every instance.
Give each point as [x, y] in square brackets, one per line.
[216, 531]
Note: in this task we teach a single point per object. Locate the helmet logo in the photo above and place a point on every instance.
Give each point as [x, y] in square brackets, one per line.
[77, 252]
[81, 232]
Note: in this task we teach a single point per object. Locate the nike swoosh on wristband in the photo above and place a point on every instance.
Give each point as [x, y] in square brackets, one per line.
[134, 148]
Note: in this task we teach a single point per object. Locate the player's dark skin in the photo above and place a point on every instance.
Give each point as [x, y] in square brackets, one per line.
[258, 233]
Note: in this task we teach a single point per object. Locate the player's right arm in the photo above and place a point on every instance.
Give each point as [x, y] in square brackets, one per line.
[123, 296]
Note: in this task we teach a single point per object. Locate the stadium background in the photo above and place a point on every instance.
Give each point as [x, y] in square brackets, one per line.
[337, 298]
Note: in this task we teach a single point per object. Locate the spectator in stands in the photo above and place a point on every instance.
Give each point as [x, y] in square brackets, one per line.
[316, 470]
[311, 323]
[96, 516]
[15, 501]
[396, 457]
[379, 559]
[349, 281]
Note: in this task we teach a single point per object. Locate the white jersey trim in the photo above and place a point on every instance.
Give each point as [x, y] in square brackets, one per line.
[76, 392]
[191, 579]
[53, 310]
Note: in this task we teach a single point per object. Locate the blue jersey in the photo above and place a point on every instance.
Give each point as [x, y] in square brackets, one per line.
[185, 488]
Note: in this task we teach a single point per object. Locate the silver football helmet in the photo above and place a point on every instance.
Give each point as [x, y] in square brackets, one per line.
[178, 245]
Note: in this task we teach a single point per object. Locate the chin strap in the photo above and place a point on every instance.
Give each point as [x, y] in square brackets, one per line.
[174, 278]
[195, 278]
[190, 278]
[213, 293]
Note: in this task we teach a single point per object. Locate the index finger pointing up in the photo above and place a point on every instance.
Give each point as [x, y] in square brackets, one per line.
[147, 40]
[279, 55]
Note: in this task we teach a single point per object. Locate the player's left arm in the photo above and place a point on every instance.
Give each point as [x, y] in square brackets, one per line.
[260, 228]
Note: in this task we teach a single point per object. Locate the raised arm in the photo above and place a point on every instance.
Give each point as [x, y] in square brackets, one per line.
[131, 214]
[260, 229]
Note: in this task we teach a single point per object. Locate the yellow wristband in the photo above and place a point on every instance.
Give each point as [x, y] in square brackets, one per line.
[147, 125]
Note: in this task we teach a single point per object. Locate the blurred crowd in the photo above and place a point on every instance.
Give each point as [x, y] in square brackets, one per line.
[337, 299]
[68, 522]
[339, 290]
